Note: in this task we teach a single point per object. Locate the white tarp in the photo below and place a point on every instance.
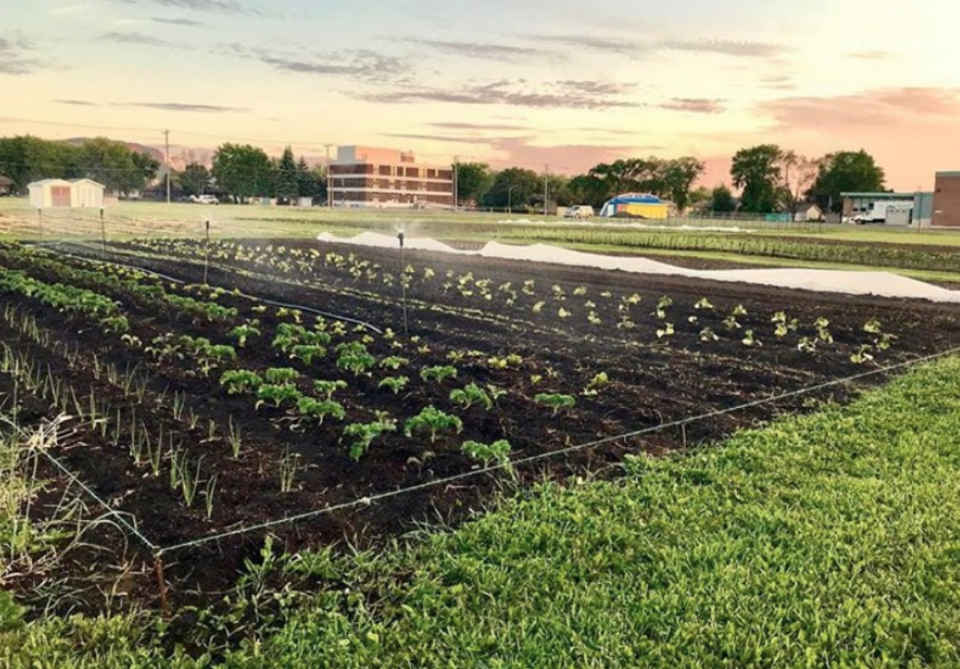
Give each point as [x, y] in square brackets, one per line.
[886, 284]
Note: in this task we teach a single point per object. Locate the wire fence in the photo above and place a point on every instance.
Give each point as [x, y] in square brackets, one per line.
[160, 551]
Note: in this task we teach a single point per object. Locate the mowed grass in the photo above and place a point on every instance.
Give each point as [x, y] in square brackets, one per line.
[826, 540]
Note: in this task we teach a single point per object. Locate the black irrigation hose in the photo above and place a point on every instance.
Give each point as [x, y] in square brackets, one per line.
[273, 303]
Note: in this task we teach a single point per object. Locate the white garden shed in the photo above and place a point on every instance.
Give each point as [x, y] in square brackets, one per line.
[66, 193]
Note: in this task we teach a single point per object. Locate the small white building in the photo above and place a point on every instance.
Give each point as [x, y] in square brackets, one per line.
[808, 212]
[66, 193]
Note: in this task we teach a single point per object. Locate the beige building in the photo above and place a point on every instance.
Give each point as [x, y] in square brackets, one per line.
[66, 193]
[369, 177]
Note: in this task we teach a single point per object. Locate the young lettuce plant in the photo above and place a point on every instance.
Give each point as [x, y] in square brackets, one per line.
[240, 381]
[276, 395]
[310, 407]
[597, 383]
[362, 435]
[281, 375]
[244, 332]
[434, 421]
[394, 383]
[328, 388]
[393, 363]
[498, 451]
[471, 394]
[438, 374]
[555, 401]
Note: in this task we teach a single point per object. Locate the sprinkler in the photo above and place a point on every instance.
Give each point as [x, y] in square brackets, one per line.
[403, 283]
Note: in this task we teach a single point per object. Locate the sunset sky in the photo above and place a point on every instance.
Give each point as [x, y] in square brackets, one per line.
[562, 83]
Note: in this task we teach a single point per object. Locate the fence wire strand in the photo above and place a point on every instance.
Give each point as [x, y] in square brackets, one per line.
[372, 499]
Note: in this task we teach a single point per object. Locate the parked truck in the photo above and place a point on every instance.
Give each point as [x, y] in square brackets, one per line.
[879, 212]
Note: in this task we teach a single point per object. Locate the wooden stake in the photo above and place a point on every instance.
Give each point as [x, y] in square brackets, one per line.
[161, 586]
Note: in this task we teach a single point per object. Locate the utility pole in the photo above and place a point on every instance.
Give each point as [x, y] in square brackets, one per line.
[329, 178]
[166, 141]
[456, 185]
[546, 187]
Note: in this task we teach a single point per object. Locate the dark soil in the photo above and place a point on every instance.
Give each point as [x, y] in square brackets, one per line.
[652, 380]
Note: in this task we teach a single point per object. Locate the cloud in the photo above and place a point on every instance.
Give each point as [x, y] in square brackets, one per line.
[735, 48]
[566, 94]
[134, 38]
[458, 125]
[437, 138]
[360, 63]
[884, 107]
[181, 107]
[870, 55]
[696, 105]
[15, 55]
[480, 50]
[632, 47]
[78, 103]
[217, 6]
[176, 21]
[608, 45]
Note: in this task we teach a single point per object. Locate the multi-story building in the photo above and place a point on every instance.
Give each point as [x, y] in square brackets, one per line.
[368, 177]
[946, 200]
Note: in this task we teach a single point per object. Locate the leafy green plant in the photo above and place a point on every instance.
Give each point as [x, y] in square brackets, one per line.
[244, 332]
[498, 451]
[328, 388]
[703, 303]
[281, 375]
[307, 352]
[708, 335]
[362, 435]
[276, 395]
[438, 374]
[555, 401]
[597, 383]
[313, 408]
[393, 363]
[394, 383]
[663, 304]
[434, 421]
[469, 395]
[240, 381]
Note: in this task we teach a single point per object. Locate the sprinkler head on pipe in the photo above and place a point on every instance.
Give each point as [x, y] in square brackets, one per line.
[400, 237]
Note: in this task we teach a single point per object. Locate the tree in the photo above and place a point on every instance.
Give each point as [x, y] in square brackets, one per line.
[195, 179]
[586, 189]
[845, 172]
[287, 186]
[513, 187]
[676, 179]
[115, 166]
[306, 180]
[243, 171]
[722, 200]
[757, 172]
[473, 181]
[797, 174]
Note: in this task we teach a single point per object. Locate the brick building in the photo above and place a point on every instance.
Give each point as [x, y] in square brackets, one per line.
[946, 200]
[369, 177]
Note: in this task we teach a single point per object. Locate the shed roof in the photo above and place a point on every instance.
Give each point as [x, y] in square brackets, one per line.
[49, 182]
[89, 181]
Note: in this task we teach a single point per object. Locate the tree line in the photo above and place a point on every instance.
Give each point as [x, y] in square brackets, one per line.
[243, 171]
[25, 159]
[768, 177]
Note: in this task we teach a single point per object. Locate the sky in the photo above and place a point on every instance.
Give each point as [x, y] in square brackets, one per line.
[545, 84]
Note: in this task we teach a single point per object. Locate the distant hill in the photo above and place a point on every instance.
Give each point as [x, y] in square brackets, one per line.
[151, 151]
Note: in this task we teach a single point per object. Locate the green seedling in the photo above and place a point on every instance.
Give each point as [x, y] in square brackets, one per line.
[434, 421]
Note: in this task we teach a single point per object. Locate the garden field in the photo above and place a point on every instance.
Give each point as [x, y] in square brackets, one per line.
[216, 391]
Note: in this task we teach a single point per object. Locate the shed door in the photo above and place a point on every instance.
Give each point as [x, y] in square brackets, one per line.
[60, 196]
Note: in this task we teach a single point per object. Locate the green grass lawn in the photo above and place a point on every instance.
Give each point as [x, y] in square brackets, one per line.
[826, 540]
